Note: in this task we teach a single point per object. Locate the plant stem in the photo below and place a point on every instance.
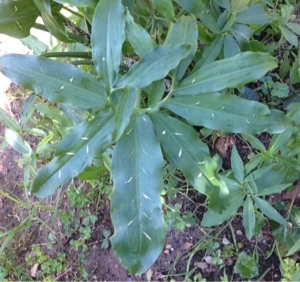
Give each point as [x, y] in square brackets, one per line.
[73, 12]
[40, 27]
[68, 54]
[137, 104]
[70, 35]
[82, 62]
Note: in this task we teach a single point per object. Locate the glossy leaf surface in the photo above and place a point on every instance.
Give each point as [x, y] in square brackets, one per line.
[237, 165]
[108, 35]
[138, 37]
[184, 31]
[136, 204]
[240, 69]
[227, 113]
[155, 65]
[123, 112]
[74, 153]
[269, 211]
[165, 8]
[79, 3]
[55, 81]
[17, 17]
[192, 159]
[16, 142]
[248, 217]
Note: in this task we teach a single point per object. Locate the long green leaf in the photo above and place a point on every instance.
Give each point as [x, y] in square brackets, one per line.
[273, 189]
[213, 218]
[237, 165]
[184, 31]
[155, 92]
[228, 113]
[136, 204]
[210, 53]
[8, 121]
[165, 8]
[255, 14]
[108, 35]
[55, 81]
[295, 248]
[231, 47]
[138, 37]
[15, 140]
[124, 111]
[155, 65]
[185, 151]
[197, 8]
[248, 217]
[240, 69]
[74, 153]
[269, 211]
[79, 3]
[17, 17]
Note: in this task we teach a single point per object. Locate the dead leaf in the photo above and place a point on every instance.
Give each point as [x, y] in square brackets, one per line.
[149, 274]
[34, 269]
[223, 143]
[168, 247]
[292, 195]
[186, 246]
[166, 252]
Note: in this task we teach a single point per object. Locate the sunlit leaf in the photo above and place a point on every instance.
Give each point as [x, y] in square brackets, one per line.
[155, 65]
[55, 81]
[239, 69]
[108, 35]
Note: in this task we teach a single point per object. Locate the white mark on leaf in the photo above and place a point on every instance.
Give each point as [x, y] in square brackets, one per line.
[201, 163]
[180, 153]
[84, 138]
[147, 216]
[193, 80]
[164, 132]
[197, 103]
[62, 87]
[223, 108]
[130, 222]
[128, 132]
[247, 121]
[70, 153]
[71, 79]
[59, 174]
[145, 196]
[147, 236]
[103, 59]
[213, 116]
[211, 178]
[87, 149]
[128, 180]
[200, 174]
[177, 133]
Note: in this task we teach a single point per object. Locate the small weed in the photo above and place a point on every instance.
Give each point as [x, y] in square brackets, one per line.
[105, 243]
[288, 269]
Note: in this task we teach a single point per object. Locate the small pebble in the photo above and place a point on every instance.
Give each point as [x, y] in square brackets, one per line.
[239, 232]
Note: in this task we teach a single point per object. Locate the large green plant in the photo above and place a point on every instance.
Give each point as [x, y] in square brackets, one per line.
[132, 114]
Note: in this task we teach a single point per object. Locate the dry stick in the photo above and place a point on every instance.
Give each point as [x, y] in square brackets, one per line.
[297, 190]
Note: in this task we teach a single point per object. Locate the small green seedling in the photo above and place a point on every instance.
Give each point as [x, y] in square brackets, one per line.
[105, 243]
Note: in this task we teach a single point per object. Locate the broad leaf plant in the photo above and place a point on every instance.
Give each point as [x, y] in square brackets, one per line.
[134, 119]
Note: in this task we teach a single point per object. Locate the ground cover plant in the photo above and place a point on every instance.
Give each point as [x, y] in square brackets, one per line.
[154, 78]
